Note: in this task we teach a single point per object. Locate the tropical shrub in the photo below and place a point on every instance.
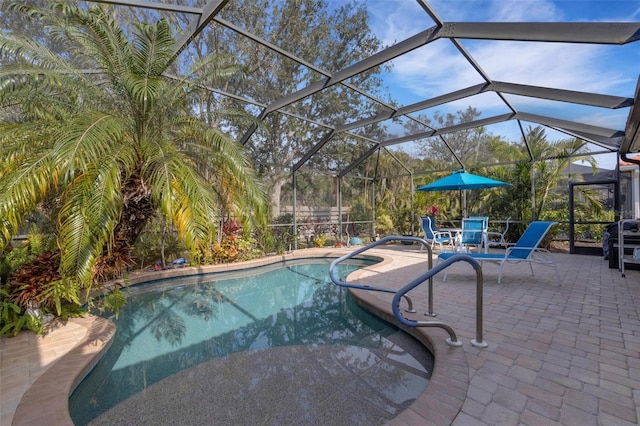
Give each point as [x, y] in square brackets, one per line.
[13, 318]
[320, 240]
[108, 152]
[157, 244]
[234, 246]
[384, 224]
[10, 259]
[277, 239]
[402, 221]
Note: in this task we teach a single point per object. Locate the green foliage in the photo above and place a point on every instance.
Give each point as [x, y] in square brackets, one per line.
[10, 260]
[13, 258]
[106, 155]
[232, 249]
[275, 240]
[547, 174]
[384, 224]
[64, 291]
[326, 35]
[14, 319]
[539, 161]
[37, 241]
[360, 212]
[5, 271]
[100, 158]
[157, 244]
[113, 301]
[235, 245]
[402, 221]
[71, 310]
[61, 295]
[278, 238]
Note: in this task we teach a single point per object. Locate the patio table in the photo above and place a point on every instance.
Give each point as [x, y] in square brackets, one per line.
[456, 233]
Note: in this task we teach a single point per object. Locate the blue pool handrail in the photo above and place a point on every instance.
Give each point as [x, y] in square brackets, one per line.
[427, 276]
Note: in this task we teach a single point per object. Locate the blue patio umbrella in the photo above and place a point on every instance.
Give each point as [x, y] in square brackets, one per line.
[460, 181]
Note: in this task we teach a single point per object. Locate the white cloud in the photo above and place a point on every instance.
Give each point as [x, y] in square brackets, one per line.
[438, 68]
[433, 70]
[610, 120]
[397, 20]
[496, 10]
[568, 66]
[524, 11]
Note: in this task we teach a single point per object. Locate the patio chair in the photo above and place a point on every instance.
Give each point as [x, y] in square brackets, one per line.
[497, 238]
[434, 236]
[473, 231]
[485, 221]
[485, 230]
[525, 250]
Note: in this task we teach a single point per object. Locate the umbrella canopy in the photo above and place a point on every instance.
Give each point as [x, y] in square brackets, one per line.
[461, 180]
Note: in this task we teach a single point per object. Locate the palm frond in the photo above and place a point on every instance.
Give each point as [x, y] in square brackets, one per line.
[20, 142]
[26, 51]
[90, 212]
[94, 35]
[22, 189]
[212, 70]
[78, 243]
[153, 49]
[184, 197]
[232, 171]
[85, 141]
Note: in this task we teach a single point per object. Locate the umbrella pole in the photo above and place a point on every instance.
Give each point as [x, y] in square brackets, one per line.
[464, 195]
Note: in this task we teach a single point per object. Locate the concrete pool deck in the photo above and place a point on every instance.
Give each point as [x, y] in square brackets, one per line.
[558, 353]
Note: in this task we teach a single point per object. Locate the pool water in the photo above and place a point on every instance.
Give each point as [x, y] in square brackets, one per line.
[273, 345]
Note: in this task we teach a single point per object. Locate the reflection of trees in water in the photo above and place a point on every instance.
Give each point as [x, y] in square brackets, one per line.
[328, 317]
[161, 314]
[202, 302]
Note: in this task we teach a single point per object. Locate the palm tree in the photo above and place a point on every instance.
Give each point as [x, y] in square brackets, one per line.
[107, 140]
[553, 158]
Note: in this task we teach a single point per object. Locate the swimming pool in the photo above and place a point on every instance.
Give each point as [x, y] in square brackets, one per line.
[273, 345]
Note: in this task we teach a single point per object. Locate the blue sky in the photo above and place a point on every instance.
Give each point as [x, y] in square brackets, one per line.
[575, 66]
[438, 67]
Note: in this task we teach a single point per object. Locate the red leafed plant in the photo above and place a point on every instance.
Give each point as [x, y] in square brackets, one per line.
[30, 281]
[432, 210]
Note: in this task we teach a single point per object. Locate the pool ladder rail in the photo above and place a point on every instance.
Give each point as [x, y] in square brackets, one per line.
[402, 293]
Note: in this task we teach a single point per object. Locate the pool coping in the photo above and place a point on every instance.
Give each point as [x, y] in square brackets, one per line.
[47, 399]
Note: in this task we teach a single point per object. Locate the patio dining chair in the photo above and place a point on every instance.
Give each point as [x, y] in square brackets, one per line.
[497, 238]
[526, 249]
[434, 236]
[484, 219]
[485, 229]
[473, 231]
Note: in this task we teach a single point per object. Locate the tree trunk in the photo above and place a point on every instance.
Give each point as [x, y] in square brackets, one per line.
[276, 193]
[137, 211]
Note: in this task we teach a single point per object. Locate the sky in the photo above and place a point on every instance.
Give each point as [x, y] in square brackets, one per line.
[439, 68]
